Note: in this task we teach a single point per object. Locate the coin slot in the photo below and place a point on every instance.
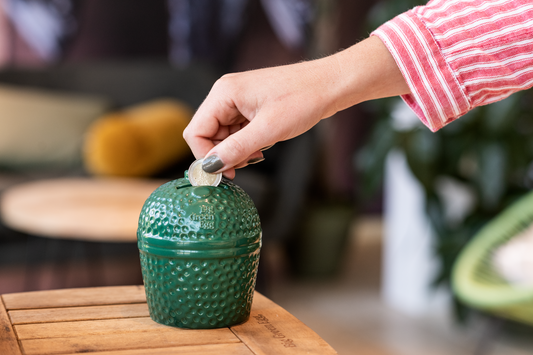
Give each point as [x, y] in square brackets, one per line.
[201, 191]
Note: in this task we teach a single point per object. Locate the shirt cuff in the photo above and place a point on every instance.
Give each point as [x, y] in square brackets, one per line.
[436, 95]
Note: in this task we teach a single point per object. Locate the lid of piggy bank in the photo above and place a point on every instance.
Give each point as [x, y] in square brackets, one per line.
[182, 220]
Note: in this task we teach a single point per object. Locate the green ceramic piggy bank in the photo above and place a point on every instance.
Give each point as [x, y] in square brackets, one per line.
[199, 250]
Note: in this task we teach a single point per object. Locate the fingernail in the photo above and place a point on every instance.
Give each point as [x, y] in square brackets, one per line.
[255, 160]
[212, 164]
[267, 147]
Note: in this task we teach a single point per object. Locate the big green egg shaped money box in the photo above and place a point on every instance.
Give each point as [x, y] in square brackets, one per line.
[199, 249]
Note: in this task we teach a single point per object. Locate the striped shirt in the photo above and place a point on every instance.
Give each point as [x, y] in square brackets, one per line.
[456, 55]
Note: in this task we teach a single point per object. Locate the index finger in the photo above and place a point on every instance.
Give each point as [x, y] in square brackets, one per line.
[210, 122]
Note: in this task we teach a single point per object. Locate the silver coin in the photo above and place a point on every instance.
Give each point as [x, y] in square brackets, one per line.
[198, 177]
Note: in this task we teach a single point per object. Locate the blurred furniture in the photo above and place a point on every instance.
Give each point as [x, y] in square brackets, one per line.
[475, 280]
[71, 97]
[477, 283]
[104, 86]
[279, 186]
[86, 210]
[108, 319]
[123, 83]
[43, 128]
[91, 209]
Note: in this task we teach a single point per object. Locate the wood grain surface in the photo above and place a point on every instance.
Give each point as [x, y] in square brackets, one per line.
[212, 349]
[48, 315]
[91, 296]
[8, 340]
[115, 321]
[91, 209]
[121, 341]
[273, 330]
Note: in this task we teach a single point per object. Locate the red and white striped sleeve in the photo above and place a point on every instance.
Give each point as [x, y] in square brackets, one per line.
[459, 54]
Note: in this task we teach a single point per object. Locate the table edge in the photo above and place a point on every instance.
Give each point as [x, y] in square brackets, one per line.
[8, 340]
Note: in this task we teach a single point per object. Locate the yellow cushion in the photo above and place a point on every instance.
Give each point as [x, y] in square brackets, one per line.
[139, 141]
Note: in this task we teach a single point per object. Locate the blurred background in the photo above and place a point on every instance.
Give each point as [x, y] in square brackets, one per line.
[365, 217]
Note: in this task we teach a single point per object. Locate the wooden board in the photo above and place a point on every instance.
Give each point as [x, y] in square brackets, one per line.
[93, 327]
[273, 330]
[92, 209]
[48, 315]
[115, 321]
[213, 349]
[138, 340]
[8, 340]
[75, 297]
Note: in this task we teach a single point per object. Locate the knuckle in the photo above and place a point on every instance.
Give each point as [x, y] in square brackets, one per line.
[187, 134]
[224, 83]
[236, 149]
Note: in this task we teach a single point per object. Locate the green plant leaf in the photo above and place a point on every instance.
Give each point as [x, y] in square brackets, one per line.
[492, 160]
[422, 151]
[500, 116]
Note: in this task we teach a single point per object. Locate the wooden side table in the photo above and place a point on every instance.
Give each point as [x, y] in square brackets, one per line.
[115, 321]
[89, 209]
[63, 214]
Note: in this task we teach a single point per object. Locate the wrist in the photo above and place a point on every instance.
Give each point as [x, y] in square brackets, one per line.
[366, 71]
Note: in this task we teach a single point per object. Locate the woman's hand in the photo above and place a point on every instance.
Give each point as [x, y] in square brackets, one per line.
[247, 112]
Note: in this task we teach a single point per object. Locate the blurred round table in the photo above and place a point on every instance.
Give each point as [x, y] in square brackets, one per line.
[61, 215]
[89, 209]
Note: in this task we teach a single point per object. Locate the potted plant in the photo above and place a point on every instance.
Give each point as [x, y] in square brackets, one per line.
[488, 153]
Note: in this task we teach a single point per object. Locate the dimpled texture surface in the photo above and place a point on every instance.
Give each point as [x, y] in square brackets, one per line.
[177, 211]
[198, 288]
[199, 293]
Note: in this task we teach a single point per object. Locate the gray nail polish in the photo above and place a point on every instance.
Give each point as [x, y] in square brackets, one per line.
[212, 164]
[255, 160]
[267, 147]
